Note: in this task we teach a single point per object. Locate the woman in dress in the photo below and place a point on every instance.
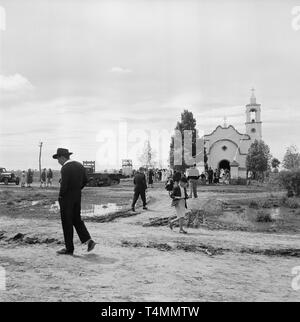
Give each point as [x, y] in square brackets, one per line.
[29, 178]
[179, 196]
[23, 179]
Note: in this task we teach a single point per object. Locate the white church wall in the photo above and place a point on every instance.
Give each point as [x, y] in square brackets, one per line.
[217, 153]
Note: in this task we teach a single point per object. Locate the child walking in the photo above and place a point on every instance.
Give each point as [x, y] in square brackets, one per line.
[23, 179]
[179, 196]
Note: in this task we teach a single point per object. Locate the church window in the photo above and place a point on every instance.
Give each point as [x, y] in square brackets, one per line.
[224, 147]
[253, 115]
[253, 130]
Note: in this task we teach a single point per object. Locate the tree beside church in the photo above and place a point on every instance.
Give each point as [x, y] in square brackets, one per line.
[258, 159]
[291, 159]
[187, 123]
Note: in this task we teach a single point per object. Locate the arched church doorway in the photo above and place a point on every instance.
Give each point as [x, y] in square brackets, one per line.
[224, 164]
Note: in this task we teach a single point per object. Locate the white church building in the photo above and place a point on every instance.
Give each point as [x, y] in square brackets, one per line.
[227, 148]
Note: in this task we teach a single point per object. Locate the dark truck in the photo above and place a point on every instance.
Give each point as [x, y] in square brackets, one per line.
[99, 179]
[7, 177]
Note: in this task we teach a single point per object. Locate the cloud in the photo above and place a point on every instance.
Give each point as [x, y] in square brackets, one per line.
[15, 83]
[120, 70]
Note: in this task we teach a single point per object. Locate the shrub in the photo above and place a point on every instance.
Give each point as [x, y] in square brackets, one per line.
[253, 204]
[292, 203]
[290, 180]
[263, 217]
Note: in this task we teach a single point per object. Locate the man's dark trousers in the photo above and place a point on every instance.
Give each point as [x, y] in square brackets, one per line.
[73, 180]
[70, 216]
[137, 193]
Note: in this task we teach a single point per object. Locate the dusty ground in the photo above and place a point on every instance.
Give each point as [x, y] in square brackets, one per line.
[136, 263]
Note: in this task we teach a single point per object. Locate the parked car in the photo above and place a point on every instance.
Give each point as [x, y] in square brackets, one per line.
[7, 177]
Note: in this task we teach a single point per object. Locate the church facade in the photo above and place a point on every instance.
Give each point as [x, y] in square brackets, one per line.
[227, 148]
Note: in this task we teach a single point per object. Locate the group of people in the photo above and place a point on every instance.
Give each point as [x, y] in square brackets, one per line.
[179, 182]
[74, 178]
[216, 176]
[46, 178]
[178, 191]
[156, 175]
[27, 178]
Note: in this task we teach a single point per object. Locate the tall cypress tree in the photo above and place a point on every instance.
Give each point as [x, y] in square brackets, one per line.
[187, 122]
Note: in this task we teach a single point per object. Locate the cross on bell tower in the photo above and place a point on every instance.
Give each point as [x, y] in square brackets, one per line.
[253, 98]
[253, 118]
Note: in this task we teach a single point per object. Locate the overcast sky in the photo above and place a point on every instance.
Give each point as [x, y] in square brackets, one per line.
[74, 73]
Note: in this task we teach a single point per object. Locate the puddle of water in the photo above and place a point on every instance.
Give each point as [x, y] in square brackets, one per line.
[91, 210]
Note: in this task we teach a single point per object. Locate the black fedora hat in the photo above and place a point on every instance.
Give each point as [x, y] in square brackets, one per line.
[61, 152]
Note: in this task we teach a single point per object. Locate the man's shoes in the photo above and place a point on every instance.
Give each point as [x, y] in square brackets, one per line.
[133, 209]
[64, 252]
[91, 245]
[145, 208]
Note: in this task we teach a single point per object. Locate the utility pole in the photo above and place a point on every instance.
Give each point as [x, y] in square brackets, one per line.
[40, 159]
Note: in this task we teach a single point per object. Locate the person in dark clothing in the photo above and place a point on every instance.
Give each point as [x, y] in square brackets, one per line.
[73, 180]
[159, 175]
[29, 178]
[150, 178]
[210, 175]
[216, 176]
[203, 178]
[140, 187]
[49, 177]
[43, 178]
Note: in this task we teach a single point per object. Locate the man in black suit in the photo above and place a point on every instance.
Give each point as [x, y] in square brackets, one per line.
[140, 187]
[73, 179]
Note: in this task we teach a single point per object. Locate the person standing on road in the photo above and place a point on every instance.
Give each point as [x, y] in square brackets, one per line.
[179, 196]
[43, 179]
[73, 180]
[140, 187]
[49, 177]
[29, 178]
[150, 178]
[193, 176]
[210, 175]
[23, 179]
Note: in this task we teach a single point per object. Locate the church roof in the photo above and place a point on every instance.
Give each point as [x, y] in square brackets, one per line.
[219, 127]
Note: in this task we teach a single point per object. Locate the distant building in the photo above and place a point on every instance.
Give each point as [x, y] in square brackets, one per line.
[127, 169]
[90, 166]
[227, 148]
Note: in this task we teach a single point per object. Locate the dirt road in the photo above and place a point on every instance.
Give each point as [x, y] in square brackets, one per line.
[136, 263]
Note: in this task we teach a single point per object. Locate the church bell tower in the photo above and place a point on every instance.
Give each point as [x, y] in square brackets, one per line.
[253, 119]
